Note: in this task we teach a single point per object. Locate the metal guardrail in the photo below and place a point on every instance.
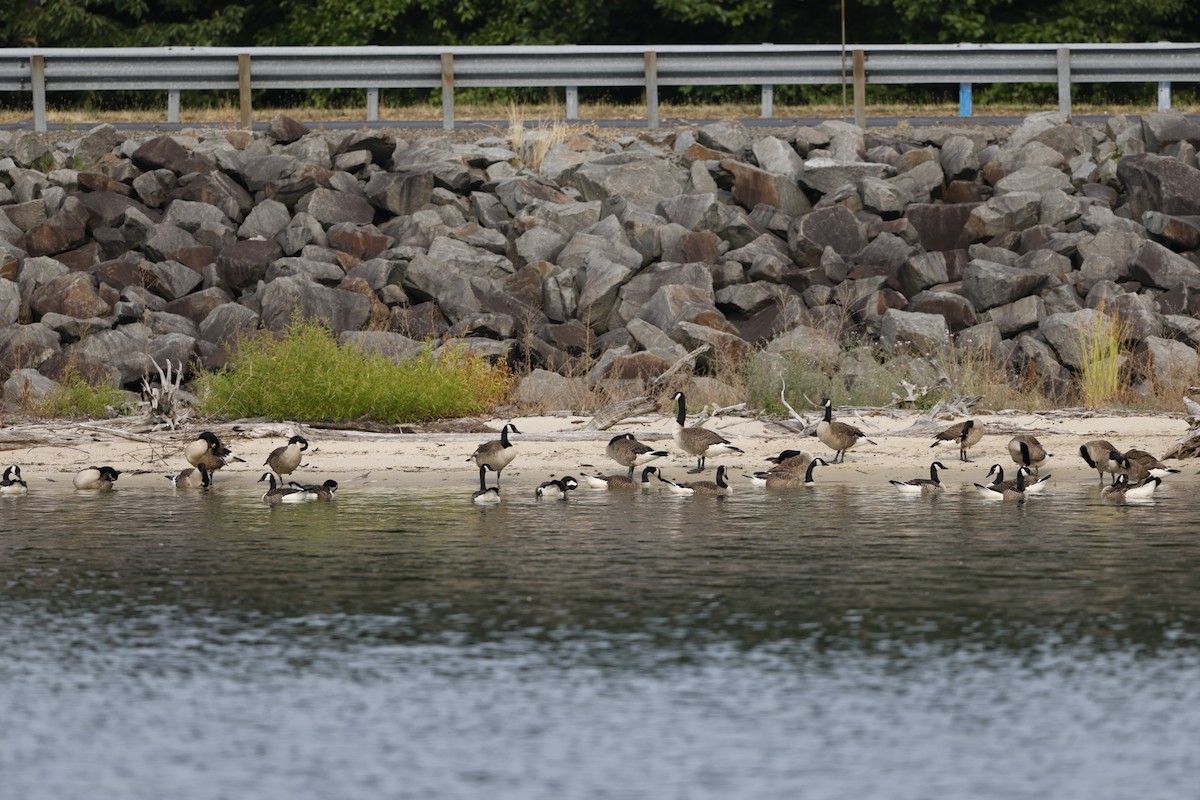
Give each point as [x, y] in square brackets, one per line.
[180, 69]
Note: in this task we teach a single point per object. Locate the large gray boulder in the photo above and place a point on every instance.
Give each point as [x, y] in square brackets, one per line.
[988, 284]
[923, 333]
[341, 310]
[639, 178]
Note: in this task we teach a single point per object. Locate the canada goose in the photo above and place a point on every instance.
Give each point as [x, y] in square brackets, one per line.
[284, 460]
[1098, 455]
[12, 482]
[1027, 451]
[320, 492]
[100, 478]
[930, 485]
[280, 494]
[700, 442]
[790, 479]
[838, 436]
[487, 495]
[1121, 489]
[1138, 465]
[1037, 487]
[557, 488]
[627, 451]
[197, 477]
[1002, 491]
[617, 482]
[797, 460]
[964, 434]
[496, 454]
[719, 486]
[207, 449]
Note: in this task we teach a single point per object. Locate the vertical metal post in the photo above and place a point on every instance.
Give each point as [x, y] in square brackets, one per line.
[964, 99]
[572, 102]
[448, 91]
[768, 100]
[372, 104]
[1164, 95]
[247, 117]
[37, 76]
[1064, 80]
[172, 105]
[652, 91]
[860, 89]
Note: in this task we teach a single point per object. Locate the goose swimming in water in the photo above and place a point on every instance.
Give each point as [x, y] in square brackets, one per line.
[197, 477]
[486, 495]
[557, 489]
[98, 478]
[12, 483]
[280, 494]
[930, 485]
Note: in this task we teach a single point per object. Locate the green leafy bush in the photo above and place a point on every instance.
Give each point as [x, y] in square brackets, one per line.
[76, 398]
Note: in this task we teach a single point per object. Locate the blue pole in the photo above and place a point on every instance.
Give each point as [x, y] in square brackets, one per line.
[964, 99]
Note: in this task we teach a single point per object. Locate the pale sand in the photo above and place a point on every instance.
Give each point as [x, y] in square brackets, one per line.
[551, 446]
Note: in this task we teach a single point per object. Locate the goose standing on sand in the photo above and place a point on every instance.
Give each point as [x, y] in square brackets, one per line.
[789, 479]
[1121, 489]
[1027, 451]
[496, 454]
[207, 449]
[717, 487]
[1139, 465]
[627, 451]
[197, 477]
[964, 434]
[700, 442]
[98, 478]
[930, 485]
[617, 482]
[557, 489]
[12, 483]
[1002, 491]
[999, 481]
[284, 460]
[836, 435]
[280, 494]
[487, 495]
[1098, 455]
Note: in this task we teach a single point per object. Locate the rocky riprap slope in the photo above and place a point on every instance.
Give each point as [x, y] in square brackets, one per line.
[630, 251]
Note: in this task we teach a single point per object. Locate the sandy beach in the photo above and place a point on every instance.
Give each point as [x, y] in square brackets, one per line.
[555, 445]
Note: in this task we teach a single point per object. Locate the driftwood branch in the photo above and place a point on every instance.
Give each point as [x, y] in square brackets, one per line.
[613, 413]
[690, 358]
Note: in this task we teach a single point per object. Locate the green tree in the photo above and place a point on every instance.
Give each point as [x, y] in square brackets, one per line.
[119, 23]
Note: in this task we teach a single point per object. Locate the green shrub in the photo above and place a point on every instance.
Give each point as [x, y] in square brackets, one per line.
[76, 398]
[304, 375]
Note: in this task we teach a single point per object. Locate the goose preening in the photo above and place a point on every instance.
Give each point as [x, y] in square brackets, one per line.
[930, 485]
[318, 492]
[788, 479]
[486, 495]
[197, 477]
[700, 442]
[1122, 489]
[1098, 455]
[1037, 487]
[627, 451]
[280, 494]
[1002, 491]
[12, 483]
[284, 460]
[836, 435]
[964, 435]
[797, 460]
[207, 449]
[496, 454]
[557, 488]
[719, 486]
[1027, 451]
[617, 482]
[1139, 465]
[98, 478]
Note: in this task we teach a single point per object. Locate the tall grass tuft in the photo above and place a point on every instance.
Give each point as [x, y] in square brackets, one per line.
[1100, 376]
[304, 375]
[75, 398]
[532, 143]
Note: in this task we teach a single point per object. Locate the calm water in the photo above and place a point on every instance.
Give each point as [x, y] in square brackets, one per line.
[842, 642]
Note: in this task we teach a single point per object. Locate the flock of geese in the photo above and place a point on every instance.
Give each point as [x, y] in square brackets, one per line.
[206, 455]
[1133, 474]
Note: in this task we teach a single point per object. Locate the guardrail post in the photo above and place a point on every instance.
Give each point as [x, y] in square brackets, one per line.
[172, 105]
[1064, 80]
[37, 75]
[652, 90]
[448, 91]
[768, 100]
[964, 99]
[244, 90]
[572, 102]
[1164, 95]
[372, 104]
[860, 89]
